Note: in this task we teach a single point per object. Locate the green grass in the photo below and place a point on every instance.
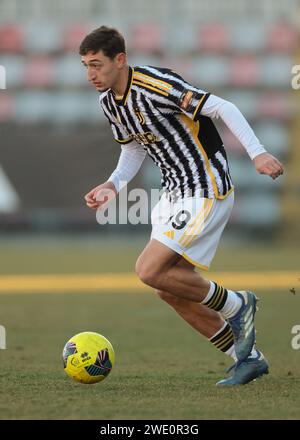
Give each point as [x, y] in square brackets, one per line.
[164, 369]
[99, 255]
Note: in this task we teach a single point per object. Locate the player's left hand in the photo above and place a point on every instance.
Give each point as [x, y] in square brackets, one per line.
[267, 164]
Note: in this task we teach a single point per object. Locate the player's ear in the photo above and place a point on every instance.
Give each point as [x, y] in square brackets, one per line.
[121, 59]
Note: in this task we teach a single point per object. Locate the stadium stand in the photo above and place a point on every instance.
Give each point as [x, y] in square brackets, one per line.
[215, 48]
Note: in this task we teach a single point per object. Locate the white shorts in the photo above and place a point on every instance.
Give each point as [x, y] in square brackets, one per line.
[191, 227]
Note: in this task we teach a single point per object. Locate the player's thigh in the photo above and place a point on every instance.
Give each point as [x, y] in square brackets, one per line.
[186, 264]
[156, 258]
[169, 297]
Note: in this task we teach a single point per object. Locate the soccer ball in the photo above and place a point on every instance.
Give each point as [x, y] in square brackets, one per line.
[88, 357]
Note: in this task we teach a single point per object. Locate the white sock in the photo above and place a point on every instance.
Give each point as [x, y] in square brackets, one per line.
[225, 301]
[232, 305]
[210, 292]
[223, 340]
[231, 352]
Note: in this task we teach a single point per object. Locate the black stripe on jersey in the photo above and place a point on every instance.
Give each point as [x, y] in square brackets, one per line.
[160, 158]
[193, 150]
[167, 179]
[174, 82]
[228, 180]
[178, 84]
[199, 108]
[159, 104]
[124, 98]
[170, 181]
[121, 117]
[118, 135]
[165, 172]
[150, 88]
[218, 166]
[112, 105]
[146, 71]
[193, 179]
[157, 75]
[181, 156]
[166, 135]
[106, 111]
[177, 151]
[209, 136]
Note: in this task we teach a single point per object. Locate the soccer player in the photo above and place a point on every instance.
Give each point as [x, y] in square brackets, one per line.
[154, 111]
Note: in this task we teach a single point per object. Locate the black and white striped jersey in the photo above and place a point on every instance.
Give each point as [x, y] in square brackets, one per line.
[162, 112]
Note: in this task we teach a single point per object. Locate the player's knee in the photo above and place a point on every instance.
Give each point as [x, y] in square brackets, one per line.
[146, 274]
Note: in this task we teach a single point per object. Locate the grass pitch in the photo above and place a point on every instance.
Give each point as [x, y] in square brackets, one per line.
[164, 369]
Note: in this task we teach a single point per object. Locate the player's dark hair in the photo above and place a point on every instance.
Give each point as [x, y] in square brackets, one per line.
[109, 40]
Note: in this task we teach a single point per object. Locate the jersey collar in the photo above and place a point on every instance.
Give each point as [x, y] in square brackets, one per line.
[124, 98]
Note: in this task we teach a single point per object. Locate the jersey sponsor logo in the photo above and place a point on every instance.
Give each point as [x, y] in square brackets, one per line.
[144, 138]
[185, 99]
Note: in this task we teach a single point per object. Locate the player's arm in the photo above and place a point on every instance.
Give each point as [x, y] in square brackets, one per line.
[264, 162]
[130, 161]
[193, 102]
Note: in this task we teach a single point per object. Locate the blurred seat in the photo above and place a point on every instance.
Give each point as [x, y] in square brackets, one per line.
[213, 37]
[42, 37]
[247, 101]
[145, 60]
[258, 209]
[11, 38]
[274, 105]
[72, 35]
[245, 175]
[59, 107]
[274, 135]
[146, 38]
[39, 72]
[275, 70]
[283, 37]
[244, 71]
[210, 70]
[183, 66]
[14, 66]
[74, 107]
[232, 144]
[69, 71]
[180, 40]
[248, 36]
[34, 106]
[6, 107]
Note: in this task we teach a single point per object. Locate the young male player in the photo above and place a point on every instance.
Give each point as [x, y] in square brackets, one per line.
[154, 111]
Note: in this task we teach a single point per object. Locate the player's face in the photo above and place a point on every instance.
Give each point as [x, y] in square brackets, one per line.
[102, 71]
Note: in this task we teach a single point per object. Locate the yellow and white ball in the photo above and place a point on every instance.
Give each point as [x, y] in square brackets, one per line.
[88, 357]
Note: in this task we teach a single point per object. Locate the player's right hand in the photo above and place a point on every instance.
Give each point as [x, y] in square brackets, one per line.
[100, 195]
